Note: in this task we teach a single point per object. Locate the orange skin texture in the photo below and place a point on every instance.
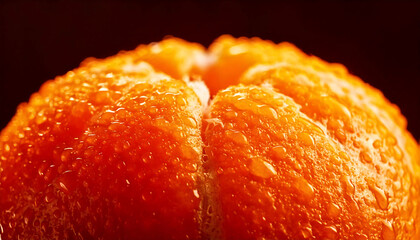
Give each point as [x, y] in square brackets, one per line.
[290, 147]
[102, 159]
[172, 56]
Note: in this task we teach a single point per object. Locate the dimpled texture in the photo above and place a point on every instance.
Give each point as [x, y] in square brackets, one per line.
[173, 56]
[290, 147]
[103, 156]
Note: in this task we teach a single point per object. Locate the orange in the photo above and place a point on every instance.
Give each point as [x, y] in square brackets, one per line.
[129, 147]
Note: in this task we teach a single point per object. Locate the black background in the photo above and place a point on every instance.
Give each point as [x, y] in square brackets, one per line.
[377, 40]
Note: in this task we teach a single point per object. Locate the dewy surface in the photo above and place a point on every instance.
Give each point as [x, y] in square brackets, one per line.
[129, 147]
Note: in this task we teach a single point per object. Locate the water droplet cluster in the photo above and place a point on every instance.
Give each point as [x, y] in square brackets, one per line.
[290, 147]
[99, 159]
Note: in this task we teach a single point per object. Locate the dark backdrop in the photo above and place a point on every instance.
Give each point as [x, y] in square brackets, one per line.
[378, 41]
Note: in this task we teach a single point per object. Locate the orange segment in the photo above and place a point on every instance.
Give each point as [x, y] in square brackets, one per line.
[365, 124]
[276, 169]
[173, 56]
[108, 155]
[231, 57]
[282, 174]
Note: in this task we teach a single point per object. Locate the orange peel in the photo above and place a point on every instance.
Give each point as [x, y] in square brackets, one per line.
[281, 145]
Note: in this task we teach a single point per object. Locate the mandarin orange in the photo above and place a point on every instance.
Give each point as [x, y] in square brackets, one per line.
[285, 146]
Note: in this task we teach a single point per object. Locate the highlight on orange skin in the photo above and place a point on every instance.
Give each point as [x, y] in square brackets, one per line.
[173, 56]
[231, 57]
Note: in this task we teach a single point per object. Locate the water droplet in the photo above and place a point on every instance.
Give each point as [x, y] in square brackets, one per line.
[231, 114]
[65, 155]
[398, 154]
[338, 109]
[209, 210]
[126, 145]
[118, 148]
[384, 157]
[66, 181]
[40, 119]
[330, 232]
[195, 191]
[267, 111]
[391, 140]
[306, 232]
[143, 197]
[109, 75]
[279, 152]
[181, 101]
[63, 186]
[377, 144]
[211, 123]
[6, 147]
[306, 139]
[153, 110]
[236, 137]
[261, 168]
[44, 226]
[304, 188]
[348, 185]
[308, 123]
[336, 160]
[91, 139]
[161, 123]
[190, 122]
[106, 117]
[361, 236]
[333, 210]
[116, 126]
[21, 135]
[335, 124]
[380, 196]
[49, 196]
[189, 152]
[365, 157]
[341, 135]
[387, 231]
[245, 104]
[122, 113]
[102, 96]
